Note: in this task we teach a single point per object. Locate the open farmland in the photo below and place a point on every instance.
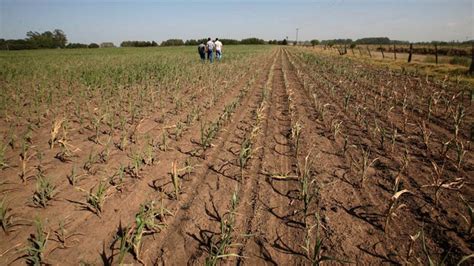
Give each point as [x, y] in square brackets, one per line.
[272, 156]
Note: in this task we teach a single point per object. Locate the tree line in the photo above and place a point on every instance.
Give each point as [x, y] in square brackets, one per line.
[45, 40]
[138, 44]
[35, 40]
[57, 39]
[385, 41]
[179, 42]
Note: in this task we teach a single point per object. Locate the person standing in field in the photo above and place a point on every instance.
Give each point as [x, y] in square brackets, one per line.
[218, 49]
[202, 51]
[210, 49]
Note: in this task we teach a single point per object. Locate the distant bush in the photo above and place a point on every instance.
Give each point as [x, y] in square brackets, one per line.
[107, 45]
[463, 61]
[172, 42]
[76, 45]
[374, 40]
[336, 41]
[430, 50]
[191, 42]
[93, 45]
[138, 44]
[195, 42]
[48, 39]
[314, 42]
[230, 41]
[17, 45]
[55, 39]
[252, 41]
[282, 42]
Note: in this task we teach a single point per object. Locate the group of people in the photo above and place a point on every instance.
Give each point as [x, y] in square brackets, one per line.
[209, 48]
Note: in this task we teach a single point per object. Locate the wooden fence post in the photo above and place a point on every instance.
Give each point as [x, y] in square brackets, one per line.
[360, 51]
[411, 51]
[368, 50]
[394, 52]
[471, 69]
[381, 50]
[436, 53]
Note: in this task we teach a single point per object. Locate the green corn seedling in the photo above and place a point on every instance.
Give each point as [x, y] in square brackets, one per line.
[148, 155]
[164, 140]
[136, 165]
[220, 250]
[73, 178]
[470, 215]
[35, 251]
[244, 155]
[314, 252]
[95, 199]
[63, 237]
[3, 160]
[45, 191]
[431, 261]
[6, 218]
[92, 159]
[306, 182]
[460, 152]
[365, 164]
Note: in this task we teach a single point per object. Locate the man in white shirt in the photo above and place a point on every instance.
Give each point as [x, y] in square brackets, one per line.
[210, 49]
[218, 49]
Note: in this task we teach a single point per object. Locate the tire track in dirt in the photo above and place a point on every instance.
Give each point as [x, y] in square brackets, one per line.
[272, 224]
[340, 231]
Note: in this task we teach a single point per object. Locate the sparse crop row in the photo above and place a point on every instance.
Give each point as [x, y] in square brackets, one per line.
[341, 105]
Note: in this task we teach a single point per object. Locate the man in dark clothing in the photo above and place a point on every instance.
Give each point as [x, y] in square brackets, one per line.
[202, 51]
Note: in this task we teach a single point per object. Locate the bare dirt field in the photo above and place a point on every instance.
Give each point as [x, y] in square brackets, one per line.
[274, 156]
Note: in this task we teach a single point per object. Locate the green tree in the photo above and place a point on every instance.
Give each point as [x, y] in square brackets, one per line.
[75, 45]
[252, 41]
[172, 42]
[47, 39]
[59, 38]
[93, 45]
[191, 42]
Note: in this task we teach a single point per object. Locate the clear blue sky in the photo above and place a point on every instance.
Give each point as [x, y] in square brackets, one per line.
[117, 20]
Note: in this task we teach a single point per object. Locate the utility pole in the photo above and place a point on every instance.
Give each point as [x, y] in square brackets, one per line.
[297, 29]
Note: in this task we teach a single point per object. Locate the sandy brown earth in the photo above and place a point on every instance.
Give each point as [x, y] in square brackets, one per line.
[309, 122]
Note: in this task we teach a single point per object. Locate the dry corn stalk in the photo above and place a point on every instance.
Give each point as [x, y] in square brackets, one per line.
[58, 122]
